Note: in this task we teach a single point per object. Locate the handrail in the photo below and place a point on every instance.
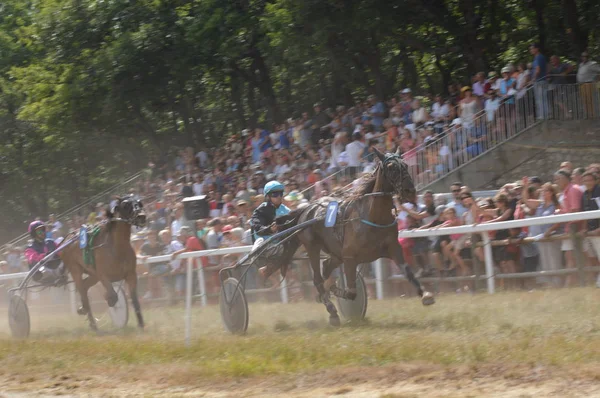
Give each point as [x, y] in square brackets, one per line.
[78, 207]
[476, 228]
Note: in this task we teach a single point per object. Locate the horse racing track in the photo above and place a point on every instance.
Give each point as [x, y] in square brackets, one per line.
[544, 343]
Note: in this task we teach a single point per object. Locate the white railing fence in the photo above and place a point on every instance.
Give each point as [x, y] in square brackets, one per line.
[483, 229]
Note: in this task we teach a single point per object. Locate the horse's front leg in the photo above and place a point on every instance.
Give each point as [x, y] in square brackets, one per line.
[110, 296]
[82, 286]
[395, 253]
[131, 280]
[314, 255]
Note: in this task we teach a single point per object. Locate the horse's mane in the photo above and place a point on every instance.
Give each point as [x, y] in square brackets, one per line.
[365, 185]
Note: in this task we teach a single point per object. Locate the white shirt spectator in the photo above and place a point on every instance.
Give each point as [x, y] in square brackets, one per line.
[213, 241]
[446, 155]
[343, 158]
[355, 150]
[175, 245]
[202, 159]
[587, 72]
[491, 106]
[198, 188]
[439, 111]
[176, 226]
[336, 149]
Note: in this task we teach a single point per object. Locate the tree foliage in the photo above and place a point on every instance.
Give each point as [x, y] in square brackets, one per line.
[88, 88]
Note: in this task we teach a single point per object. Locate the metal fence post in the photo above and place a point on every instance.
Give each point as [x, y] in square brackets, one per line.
[578, 254]
[379, 278]
[188, 304]
[73, 298]
[202, 285]
[489, 262]
[284, 291]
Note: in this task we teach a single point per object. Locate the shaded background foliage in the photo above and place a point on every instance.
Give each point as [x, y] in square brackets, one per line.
[89, 89]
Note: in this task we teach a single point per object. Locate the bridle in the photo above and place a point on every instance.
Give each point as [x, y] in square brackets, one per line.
[391, 175]
[133, 219]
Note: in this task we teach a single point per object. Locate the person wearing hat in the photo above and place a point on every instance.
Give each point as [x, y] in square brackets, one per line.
[263, 219]
[491, 83]
[507, 86]
[293, 199]
[38, 249]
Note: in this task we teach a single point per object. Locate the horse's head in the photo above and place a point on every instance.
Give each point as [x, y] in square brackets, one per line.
[130, 210]
[396, 173]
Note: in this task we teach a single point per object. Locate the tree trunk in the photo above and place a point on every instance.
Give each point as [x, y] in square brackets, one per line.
[473, 47]
[253, 121]
[446, 75]
[265, 85]
[237, 88]
[538, 6]
[578, 35]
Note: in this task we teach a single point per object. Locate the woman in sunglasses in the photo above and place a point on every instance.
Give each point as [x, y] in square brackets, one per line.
[263, 219]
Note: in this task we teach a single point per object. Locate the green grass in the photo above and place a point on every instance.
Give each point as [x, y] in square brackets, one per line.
[558, 328]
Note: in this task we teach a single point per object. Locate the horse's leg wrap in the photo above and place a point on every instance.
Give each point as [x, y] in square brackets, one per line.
[349, 294]
[321, 293]
[329, 283]
[411, 278]
[426, 297]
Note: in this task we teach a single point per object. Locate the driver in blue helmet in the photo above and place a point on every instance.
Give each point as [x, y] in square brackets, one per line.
[263, 219]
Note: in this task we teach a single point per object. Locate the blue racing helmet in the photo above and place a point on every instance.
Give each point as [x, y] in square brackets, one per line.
[273, 186]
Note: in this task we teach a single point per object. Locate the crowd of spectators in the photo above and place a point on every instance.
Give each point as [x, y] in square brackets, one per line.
[549, 247]
[320, 153]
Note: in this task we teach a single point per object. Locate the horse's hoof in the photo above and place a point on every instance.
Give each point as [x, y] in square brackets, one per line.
[350, 295]
[334, 320]
[82, 311]
[318, 299]
[112, 300]
[428, 298]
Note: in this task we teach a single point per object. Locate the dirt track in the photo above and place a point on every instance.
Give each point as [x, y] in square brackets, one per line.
[392, 381]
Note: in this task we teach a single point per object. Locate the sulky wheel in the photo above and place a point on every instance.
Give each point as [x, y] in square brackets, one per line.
[18, 317]
[354, 309]
[119, 313]
[234, 307]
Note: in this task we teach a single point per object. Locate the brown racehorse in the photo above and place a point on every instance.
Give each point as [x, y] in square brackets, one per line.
[114, 258]
[365, 231]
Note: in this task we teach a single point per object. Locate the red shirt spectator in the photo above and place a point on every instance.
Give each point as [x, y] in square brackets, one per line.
[193, 244]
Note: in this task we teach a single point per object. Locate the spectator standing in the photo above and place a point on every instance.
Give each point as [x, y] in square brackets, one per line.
[590, 229]
[153, 247]
[570, 202]
[549, 251]
[213, 240]
[539, 74]
[354, 151]
[559, 70]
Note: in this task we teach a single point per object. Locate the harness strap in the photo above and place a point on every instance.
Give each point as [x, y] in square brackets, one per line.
[371, 224]
[88, 252]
